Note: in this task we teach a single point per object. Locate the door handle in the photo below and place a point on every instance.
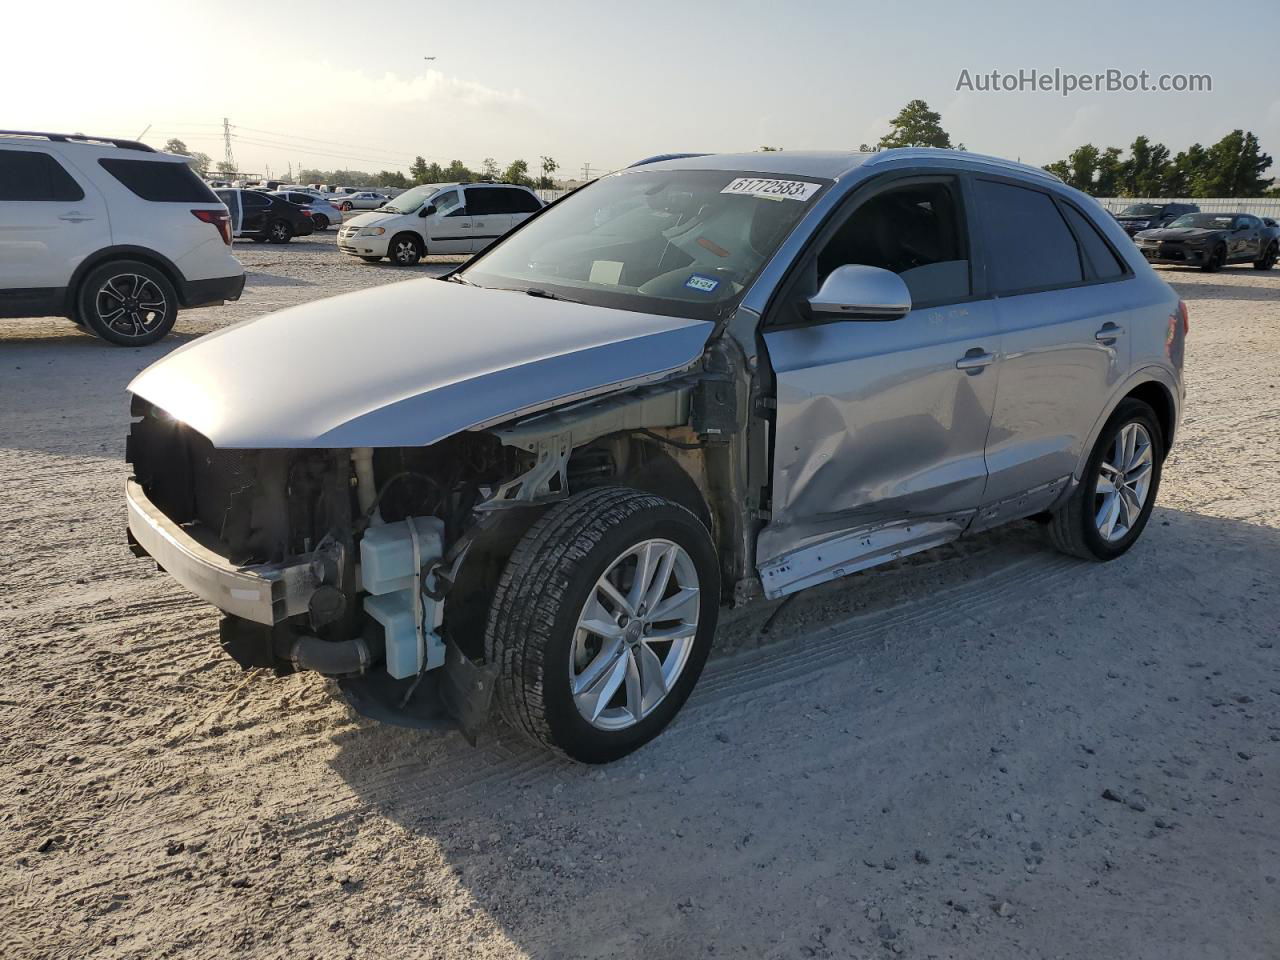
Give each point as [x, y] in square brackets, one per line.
[1108, 334]
[975, 361]
[478, 224]
[74, 217]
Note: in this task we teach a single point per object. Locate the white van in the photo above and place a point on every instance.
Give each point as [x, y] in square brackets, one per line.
[437, 218]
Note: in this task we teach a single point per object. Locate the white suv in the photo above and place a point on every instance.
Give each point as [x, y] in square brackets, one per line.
[437, 218]
[110, 234]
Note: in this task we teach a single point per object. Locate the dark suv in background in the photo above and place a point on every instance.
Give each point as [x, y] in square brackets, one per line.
[1149, 216]
[263, 217]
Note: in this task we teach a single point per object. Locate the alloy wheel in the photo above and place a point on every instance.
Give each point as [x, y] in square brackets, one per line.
[634, 634]
[406, 252]
[131, 305]
[1124, 480]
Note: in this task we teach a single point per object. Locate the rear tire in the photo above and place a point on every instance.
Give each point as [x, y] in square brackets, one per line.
[280, 231]
[127, 303]
[1079, 527]
[345, 207]
[572, 688]
[1268, 260]
[405, 249]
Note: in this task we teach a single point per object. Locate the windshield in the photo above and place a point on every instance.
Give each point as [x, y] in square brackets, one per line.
[681, 243]
[1211, 221]
[411, 200]
[1141, 210]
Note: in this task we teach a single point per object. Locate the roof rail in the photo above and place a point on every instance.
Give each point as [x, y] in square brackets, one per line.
[963, 156]
[666, 156]
[79, 138]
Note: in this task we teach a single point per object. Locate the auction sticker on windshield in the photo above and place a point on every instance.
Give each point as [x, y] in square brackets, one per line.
[773, 189]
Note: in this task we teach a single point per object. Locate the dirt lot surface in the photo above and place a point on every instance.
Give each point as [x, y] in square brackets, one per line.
[990, 751]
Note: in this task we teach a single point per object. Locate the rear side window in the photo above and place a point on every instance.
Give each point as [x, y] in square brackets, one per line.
[518, 201]
[1028, 244]
[1100, 260]
[481, 200]
[159, 181]
[29, 175]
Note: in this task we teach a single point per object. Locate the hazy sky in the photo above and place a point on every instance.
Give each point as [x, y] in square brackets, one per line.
[346, 84]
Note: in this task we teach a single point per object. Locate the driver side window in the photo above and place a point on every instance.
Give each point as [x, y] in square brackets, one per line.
[448, 204]
[914, 230]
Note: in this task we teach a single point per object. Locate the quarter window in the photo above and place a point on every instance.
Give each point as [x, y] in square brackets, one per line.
[481, 200]
[159, 181]
[1100, 260]
[1028, 244]
[32, 176]
[517, 201]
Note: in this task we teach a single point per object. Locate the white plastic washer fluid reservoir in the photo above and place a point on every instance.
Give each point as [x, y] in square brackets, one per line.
[387, 571]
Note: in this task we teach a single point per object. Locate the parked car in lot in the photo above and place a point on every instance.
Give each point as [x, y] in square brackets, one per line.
[703, 381]
[364, 200]
[110, 234]
[323, 213]
[1210, 241]
[264, 217]
[437, 218]
[1145, 216]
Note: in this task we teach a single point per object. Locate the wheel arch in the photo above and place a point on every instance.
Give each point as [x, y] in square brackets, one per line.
[1154, 386]
[124, 252]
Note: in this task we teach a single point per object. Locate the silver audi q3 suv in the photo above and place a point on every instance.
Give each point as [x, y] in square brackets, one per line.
[528, 487]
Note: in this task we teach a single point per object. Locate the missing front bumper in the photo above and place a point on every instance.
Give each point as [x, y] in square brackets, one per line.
[267, 593]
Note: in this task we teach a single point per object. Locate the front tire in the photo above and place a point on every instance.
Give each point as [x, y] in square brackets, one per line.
[1268, 260]
[320, 222]
[345, 207]
[405, 250]
[602, 622]
[1112, 503]
[1217, 260]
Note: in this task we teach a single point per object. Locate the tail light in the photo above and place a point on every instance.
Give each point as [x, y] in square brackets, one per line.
[220, 219]
[307, 212]
[1186, 318]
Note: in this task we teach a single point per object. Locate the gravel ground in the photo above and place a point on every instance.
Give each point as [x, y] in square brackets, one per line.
[988, 751]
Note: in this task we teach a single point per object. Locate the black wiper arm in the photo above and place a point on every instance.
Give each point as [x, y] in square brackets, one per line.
[548, 295]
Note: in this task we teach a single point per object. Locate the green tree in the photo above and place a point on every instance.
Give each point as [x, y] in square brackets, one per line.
[390, 178]
[418, 170]
[489, 167]
[1233, 168]
[457, 171]
[1186, 171]
[199, 161]
[1145, 172]
[225, 168]
[1107, 181]
[549, 167]
[916, 126]
[518, 172]
[770, 149]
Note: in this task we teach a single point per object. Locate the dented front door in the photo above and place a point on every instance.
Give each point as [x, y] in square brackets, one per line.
[880, 439]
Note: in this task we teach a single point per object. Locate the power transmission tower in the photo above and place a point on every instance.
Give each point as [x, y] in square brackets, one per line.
[226, 143]
[586, 171]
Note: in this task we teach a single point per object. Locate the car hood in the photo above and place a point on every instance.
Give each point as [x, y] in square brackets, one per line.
[407, 364]
[1180, 233]
[371, 219]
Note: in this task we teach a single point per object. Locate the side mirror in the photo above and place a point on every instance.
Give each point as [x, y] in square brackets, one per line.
[428, 210]
[858, 292]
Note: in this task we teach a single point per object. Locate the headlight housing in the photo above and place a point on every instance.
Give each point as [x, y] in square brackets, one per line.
[372, 231]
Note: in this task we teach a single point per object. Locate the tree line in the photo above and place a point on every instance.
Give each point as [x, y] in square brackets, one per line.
[420, 171]
[1232, 167]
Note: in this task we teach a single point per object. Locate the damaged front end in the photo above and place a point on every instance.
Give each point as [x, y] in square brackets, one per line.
[377, 566]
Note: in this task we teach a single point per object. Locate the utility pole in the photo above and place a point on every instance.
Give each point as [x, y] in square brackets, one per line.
[226, 143]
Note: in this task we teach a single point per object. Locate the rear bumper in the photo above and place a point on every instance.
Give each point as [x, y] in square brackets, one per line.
[208, 293]
[265, 593]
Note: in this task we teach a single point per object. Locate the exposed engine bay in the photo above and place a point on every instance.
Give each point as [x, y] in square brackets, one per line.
[382, 561]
